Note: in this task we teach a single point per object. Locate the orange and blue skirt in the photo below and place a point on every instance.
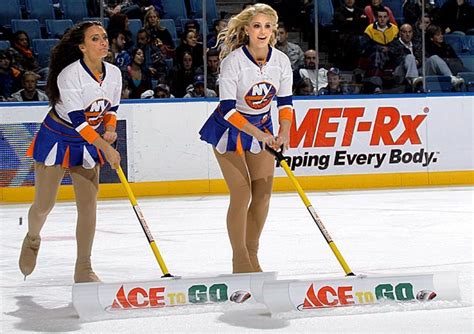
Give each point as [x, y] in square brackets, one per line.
[59, 144]
[225, 137]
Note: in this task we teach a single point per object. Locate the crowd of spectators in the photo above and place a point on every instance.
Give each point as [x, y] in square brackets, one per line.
[366, 49]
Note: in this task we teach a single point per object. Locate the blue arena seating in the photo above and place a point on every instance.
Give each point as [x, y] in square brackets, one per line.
[4, 45]
[469, 44]
[468, 80]
[105, 20]
[176, 10]
[211, 10]
[456, 42]
[468, 61]
[11, 11]
[326, 12]
[396, 8]
[40, 9]
[57, 28]
[134, 25]
[73, 9]
[31, 27]
[438, 83]
[42, 49]
[171, 26]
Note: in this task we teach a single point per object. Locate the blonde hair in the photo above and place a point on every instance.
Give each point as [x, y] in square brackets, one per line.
[234, 36]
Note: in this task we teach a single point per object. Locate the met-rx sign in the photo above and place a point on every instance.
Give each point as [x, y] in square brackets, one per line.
[326, 127]
[358, 138]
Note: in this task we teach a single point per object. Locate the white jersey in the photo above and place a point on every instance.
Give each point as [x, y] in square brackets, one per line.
[84, 100]
[248, 88]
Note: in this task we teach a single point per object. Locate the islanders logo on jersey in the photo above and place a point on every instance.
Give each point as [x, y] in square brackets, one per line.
[260, 95]
[96, 111]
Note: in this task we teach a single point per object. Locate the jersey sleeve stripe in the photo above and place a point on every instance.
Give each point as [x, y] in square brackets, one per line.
[284, 101]
[88, 133]
[237, 120]
[110, 119]
[285, 114]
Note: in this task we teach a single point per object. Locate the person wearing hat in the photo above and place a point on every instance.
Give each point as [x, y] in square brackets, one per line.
[162, 91]
[334, 86]
[197, 89]
[148, 94]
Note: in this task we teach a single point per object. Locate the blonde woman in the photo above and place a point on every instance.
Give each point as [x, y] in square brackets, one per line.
[252, 72]
[159, 35]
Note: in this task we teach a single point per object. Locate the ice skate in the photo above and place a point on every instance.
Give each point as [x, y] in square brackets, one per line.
[28, 255]
[242, 265]
[253, 250]
[83, 273]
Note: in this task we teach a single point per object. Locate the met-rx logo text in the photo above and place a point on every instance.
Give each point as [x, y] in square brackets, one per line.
[260, 95]
[96, 111]
[328, 127]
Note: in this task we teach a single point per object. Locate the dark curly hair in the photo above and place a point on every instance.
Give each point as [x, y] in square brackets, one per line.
[63, 54]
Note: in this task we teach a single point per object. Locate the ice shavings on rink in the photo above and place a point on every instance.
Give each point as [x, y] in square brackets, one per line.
[377, 232]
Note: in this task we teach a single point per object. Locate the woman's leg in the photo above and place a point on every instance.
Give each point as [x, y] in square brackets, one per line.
[86, 186]
[261, 169]
[234, 169]
[47, 181]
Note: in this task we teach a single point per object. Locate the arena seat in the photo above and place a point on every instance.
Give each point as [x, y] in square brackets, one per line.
[468, 61]
[134, 25]
[73, 9]
[31, 27]
[42, 49]
[469, 44]
[468, 80]
[11, 11]
[456, 42]
[326, 12]
[40, 9]
[211, 10]
[4, 45]
[176, 10]
[105, 20]
[171, 26]
[56, 28]
[438, 83]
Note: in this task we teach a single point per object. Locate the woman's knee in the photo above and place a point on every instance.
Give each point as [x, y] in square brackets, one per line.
[41, 208]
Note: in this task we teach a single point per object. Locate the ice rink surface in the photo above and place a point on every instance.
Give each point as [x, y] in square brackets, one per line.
[377, 232]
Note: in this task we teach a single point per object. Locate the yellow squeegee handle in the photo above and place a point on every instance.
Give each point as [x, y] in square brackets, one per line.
[281, 159]
[143, 223]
